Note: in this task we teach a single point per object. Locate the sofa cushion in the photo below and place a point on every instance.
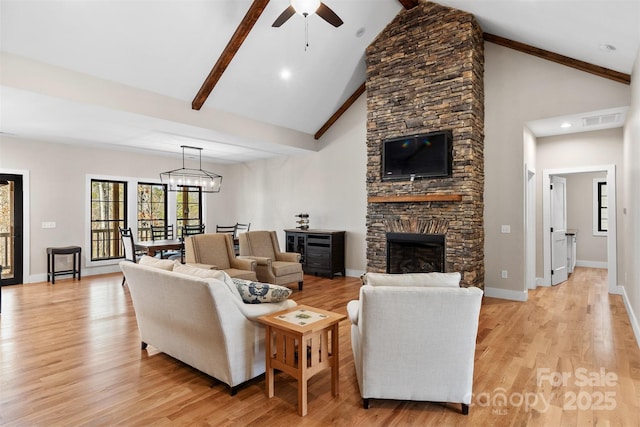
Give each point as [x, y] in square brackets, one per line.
[257, 292]
[163, 264]
[283, 268]
[205, 273]
[448, 280]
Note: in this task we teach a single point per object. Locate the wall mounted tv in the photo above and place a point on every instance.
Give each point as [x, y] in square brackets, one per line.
[418, 156]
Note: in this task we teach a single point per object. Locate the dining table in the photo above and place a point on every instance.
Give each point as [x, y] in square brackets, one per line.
[151, 247]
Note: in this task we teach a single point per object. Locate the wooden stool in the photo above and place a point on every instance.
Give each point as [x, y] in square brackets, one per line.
[75, 251]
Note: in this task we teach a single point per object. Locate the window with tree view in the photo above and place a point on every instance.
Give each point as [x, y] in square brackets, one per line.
[600, 207]
[108, 213]
[152, 208]
[189, 207]
[603, 214]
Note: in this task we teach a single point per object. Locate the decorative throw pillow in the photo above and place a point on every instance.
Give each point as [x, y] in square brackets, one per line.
[257, 292]
[163, 264]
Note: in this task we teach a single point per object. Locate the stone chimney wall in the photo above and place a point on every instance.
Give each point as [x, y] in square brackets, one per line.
[425, 74]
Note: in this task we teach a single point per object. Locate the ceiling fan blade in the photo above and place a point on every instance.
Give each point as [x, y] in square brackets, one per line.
[329, 15]
[284, 16]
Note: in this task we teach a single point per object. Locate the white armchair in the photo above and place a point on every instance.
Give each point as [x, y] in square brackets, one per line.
[414, 336]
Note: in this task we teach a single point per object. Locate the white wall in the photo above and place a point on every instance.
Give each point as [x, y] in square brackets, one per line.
[520, 88]
[328, 185]
[630, 229]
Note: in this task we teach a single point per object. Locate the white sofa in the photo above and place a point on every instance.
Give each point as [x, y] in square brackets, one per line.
[413, 337]
[201, 321]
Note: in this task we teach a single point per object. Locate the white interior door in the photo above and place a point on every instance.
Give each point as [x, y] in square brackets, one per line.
[558, 230]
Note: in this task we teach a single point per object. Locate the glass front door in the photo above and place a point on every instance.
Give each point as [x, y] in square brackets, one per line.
[11, 229]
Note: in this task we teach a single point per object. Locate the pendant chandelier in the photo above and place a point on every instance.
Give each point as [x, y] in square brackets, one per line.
[175, 179]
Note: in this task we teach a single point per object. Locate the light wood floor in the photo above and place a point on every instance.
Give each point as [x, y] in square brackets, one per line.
[70, 355]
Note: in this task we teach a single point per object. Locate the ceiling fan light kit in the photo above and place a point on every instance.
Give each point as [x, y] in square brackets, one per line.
[305, 7]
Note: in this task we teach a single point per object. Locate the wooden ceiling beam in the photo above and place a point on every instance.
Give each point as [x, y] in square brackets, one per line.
[241, 33]
[340, 111]
[607, 73]
[409, 4]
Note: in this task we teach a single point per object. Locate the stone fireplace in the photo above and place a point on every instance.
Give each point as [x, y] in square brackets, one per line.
[425, 74]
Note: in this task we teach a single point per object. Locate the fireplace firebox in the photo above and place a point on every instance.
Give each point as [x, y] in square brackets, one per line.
[415, 253]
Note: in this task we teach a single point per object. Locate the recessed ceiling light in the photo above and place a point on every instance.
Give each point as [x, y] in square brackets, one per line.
[565, 125]
[606, 47]
[285, 74]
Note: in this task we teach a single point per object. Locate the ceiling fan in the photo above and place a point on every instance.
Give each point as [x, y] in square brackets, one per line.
[306, 8]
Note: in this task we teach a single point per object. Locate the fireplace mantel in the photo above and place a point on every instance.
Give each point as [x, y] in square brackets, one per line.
[416, 199]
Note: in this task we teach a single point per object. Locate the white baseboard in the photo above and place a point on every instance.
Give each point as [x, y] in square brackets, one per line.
[592, 264]
[354, 273]
[505, 294]
[632, 316]
[87, 271]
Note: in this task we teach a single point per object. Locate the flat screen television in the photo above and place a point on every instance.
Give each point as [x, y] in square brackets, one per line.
[418, 156]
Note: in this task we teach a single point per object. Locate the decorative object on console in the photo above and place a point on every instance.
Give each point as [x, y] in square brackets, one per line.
[303, 222]
[175, 179]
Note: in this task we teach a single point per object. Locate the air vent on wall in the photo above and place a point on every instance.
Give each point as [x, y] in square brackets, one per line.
[605, 119]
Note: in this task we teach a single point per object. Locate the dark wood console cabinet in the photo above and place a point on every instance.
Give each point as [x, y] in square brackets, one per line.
[322, 250]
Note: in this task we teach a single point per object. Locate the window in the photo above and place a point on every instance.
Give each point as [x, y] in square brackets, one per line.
[189, 207]
[152, 208]
[600, 207]
[108, 213]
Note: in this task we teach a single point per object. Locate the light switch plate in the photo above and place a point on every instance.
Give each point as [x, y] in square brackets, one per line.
[48, 224]
[505, 229]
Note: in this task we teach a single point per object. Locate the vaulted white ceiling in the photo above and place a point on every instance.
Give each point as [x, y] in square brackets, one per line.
[167, 48]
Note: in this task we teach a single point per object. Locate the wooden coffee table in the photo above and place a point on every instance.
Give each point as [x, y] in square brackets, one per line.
[302, 341]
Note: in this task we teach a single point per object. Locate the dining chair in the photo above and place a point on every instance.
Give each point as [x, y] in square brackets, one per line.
[228, 229]
[129, 247]
[240, 228]
[164, 232]
[190, 230]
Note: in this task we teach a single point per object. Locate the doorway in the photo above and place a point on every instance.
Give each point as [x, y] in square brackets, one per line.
[11, 229]
[611, 235]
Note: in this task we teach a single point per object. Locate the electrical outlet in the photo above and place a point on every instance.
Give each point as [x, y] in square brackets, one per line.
[505, 274]
[505, 229]
[48, 224]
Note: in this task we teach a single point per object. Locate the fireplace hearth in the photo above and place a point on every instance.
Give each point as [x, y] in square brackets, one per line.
[415, 253]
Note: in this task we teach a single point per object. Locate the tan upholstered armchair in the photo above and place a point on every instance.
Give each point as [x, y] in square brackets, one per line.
[216, 251]
[273, 266]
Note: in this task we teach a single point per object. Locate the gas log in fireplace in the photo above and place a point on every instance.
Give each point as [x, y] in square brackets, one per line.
[415, 253]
